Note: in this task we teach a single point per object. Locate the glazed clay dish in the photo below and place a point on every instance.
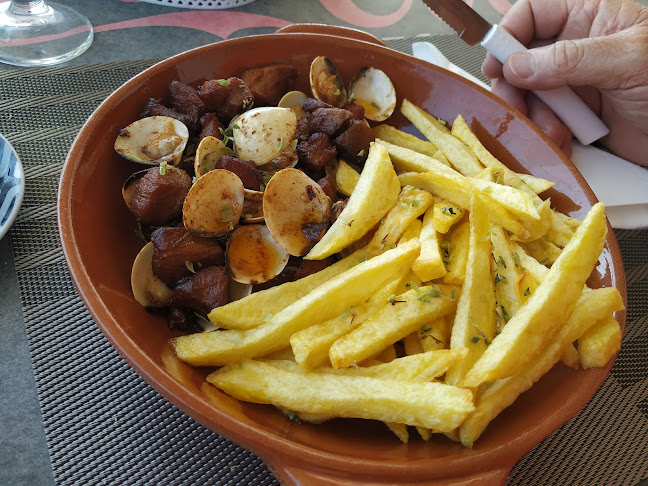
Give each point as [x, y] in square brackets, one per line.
[94, 222]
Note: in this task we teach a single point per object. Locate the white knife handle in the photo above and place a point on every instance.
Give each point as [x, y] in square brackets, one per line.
[573, 112]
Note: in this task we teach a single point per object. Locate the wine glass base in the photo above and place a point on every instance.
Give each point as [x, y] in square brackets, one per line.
[56, 35]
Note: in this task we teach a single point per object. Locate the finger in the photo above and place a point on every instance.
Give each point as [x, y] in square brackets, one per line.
[510, 94]
[532, 19]
[491, 67]
[581, 62]
[547, 121]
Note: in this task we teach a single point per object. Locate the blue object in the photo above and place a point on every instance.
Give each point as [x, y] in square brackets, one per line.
[12, 185]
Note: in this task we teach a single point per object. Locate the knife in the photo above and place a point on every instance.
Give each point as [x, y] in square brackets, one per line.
[473, 28]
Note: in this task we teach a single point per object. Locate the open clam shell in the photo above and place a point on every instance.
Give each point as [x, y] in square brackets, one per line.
[208, 152]
[148, 290]
[252, 207]
[263, 133]
[153, 140]
[326, 84]
[293, 100]
[214, 203]
[253, 256]
[296, 210]
[373, 90]
[128, 189]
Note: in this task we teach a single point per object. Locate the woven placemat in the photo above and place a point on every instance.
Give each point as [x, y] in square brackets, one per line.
[105, 425]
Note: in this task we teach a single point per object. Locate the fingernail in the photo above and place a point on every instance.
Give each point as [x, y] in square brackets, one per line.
[522, 64]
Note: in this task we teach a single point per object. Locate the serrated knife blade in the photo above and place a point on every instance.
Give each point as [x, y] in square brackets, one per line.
[473, 29]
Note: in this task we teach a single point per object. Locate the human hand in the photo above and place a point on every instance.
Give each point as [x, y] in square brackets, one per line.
[599, 48]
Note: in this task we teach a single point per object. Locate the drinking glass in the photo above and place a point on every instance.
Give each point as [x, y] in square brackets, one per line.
[39, 33]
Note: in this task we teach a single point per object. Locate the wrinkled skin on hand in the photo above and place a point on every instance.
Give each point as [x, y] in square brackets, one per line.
[599, 48]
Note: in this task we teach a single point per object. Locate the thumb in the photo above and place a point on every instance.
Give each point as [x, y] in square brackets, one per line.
[603, 62]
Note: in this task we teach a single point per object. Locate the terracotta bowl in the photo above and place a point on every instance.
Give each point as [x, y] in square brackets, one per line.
[97, 233]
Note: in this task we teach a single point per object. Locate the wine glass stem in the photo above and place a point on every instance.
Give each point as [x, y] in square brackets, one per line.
[27, 7]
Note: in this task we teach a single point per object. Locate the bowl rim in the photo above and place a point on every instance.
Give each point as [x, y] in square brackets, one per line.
[285, 451]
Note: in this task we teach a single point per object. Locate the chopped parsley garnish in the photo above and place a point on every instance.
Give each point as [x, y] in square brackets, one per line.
[347, 313]
[140, 235]
[516, 257]
[373, 103]
[505, 314]
[500, 262]
[267, 317]
[337, 92]
[351, 97]
[227, 214]
[544, 261]
[190, 266]
[486, 190]
[293, 144]
[448, 209]
[280, 143]
[500, 278]
[292, 415]
[361, 153]
[527, 292]
[223, 82]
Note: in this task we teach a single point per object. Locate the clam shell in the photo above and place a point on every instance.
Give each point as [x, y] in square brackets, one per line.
[263, 133]
[326, 84]
[153, 140]
[148, 290]
[293, 100]
[253, 256]
[208, 152]
[291, 201]
[252, 207]
[214, 203]
[128, 189]
[373, 89]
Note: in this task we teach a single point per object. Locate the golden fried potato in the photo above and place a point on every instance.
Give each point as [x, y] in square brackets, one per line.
[346, 178]
[403, 139]
[407, 160]
[457, 250]
[554, 299]
[599, 343]
[500, 394]
[429, 265]
[459, 155]
[474, 324]
[400, 316]
[446, 215]
[332, 298]
[365, 207]
[433, 405]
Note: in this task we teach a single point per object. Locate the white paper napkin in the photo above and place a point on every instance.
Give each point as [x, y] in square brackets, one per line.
[621, 185]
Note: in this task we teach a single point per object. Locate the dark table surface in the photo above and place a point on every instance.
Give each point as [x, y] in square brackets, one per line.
[130, 30]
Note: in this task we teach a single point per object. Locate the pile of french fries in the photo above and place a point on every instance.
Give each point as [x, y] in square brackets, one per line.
[458, 287]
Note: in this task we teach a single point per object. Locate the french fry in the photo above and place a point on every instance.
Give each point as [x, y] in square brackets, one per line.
[506, 276]
[457, 249]
[417, 368]
[435, 335]
[403, 139]
[330, 299]
[412, 344]
[499, 395]
[543, 250]
[527, 332]
[570, 357]
[429, 265]
[365, 206]
[474, 324]
[401, 315]
[599, 343]
[517, 202]
[537, 184]
[459, 191]
[446, 215]
[411, 203]
[433, 405]
[346, 178]
[562, 228]
[413, 230]
[257, 308]
[311, 345]
[407, 160]
[458, 154]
